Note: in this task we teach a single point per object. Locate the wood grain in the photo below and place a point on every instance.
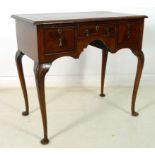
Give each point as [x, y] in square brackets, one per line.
[53, 18]
[47, 37]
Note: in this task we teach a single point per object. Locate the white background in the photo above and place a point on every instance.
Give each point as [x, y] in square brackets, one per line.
[67, 71]
[117, 65]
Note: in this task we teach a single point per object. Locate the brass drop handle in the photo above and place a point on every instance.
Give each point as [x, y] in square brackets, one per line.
[60, 31]
[60, 42]
[97, 28]
[87, 32]
[60, 39]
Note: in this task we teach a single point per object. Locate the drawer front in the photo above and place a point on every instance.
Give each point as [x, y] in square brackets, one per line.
[59, 39]
[108, 30]
[128, 34]
[86, 30]
[90, 29]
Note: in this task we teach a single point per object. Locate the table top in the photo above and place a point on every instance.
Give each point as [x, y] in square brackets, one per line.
[49, 18]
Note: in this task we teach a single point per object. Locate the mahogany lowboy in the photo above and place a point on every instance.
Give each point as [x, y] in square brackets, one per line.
[46, 37]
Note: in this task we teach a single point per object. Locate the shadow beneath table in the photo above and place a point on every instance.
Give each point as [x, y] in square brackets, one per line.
[150, 104]
[79, 121]
[19, 128]
[10, 105]
[54, 98]
[63, 93]
[117, 107]
[99, 110]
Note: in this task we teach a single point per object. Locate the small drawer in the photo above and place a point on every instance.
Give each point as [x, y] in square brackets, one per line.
[86, 30]
[89, 29]
[59, 39]
[128, 34]
[108, 30]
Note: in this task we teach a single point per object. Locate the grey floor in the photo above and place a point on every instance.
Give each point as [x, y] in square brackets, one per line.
[78, 117]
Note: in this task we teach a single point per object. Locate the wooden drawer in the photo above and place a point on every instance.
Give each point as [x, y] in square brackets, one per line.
[86, 30]
[89, 29]
[108, 30]
[59, 39]
[128, 34]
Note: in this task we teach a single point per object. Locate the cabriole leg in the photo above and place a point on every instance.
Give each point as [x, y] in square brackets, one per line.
[103, 70]
[140, 65]
[18, 59]
[40, 71]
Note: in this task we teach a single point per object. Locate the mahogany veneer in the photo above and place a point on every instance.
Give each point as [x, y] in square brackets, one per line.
[46, 37]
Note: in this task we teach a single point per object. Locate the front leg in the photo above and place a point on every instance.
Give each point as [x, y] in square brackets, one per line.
[140, 65]
[18, 59]
[40, 71]
[103, 70]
